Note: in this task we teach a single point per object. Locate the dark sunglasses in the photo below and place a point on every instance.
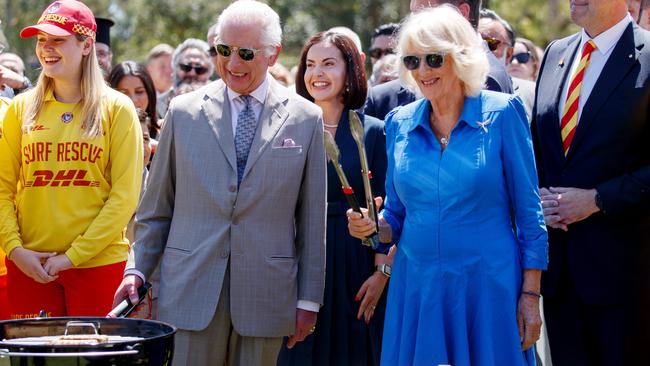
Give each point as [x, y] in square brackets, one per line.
[199, 70]
[434, 60]
[380, 52]
[492, 43]
[522, 57]
[246, 54]
[212, 51]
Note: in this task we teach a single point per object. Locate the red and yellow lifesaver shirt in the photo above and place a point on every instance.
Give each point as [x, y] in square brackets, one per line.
[72, 194]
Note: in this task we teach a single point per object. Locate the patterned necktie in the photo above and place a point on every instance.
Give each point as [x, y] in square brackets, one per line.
[246, 126]
[570, 114]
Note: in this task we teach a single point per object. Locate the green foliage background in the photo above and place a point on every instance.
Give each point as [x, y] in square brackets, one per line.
[141, 24]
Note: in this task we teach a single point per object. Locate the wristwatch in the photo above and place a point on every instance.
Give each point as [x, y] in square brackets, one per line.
[384, 268]
[599, 202]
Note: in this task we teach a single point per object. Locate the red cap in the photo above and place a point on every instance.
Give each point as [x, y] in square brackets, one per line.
[64, 18]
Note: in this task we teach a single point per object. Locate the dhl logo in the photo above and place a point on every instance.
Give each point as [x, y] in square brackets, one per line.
[63, 178]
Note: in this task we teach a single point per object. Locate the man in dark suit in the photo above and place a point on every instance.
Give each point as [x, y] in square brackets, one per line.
[383, 98]
[591, 130]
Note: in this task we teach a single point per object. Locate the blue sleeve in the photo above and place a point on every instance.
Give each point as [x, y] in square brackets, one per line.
[376, 149]
[394, 210]
[521, 179]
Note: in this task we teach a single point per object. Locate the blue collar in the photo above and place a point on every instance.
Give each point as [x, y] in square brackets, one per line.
[471, 114]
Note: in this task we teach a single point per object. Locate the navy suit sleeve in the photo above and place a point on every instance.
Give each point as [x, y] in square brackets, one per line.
[370, 108]
[627, 194]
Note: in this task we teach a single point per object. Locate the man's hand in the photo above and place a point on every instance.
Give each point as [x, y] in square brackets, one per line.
[56, 264]
[30, 262]
[305, 325]
[128, 288]
[575, 204]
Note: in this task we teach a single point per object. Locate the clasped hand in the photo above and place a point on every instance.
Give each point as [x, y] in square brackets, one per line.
[41, 267]
[563, 206]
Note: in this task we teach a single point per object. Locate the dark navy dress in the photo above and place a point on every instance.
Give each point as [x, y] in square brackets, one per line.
[341, 339]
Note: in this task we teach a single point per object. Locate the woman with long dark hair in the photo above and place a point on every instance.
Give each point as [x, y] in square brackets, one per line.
[350, 323]
[133, 79]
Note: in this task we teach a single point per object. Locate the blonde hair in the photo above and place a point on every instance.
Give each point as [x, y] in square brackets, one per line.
[93, 88]
[443, 29]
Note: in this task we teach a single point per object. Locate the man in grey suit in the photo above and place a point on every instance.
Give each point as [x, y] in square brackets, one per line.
[238, 226]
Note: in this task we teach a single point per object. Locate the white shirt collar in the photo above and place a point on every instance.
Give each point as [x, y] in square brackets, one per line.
[607, 39]
[258, 94]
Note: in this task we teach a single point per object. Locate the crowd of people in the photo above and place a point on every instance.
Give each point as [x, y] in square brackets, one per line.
[501, 173]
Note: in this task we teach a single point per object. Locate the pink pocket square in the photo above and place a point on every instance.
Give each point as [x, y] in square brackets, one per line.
[288, 143]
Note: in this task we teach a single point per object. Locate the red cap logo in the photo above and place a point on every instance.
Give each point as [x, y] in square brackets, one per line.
[64, 18]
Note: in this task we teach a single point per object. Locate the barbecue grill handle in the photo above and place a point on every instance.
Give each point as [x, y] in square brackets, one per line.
[78, 324]
[7, 353]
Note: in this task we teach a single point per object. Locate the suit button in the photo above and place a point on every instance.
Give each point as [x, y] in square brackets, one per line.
[232, 188]
[224, 254]
[235, 221]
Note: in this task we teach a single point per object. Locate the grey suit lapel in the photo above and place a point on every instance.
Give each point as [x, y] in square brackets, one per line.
[272, 118]
[217, 110]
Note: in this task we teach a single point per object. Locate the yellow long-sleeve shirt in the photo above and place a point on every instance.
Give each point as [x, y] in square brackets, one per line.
[72, 194]
[4, 104]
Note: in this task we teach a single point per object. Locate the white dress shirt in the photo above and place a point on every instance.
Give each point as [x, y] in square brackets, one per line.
[257, 102]
[605, 43]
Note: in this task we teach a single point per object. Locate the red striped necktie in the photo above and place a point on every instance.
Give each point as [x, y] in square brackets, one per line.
[570, 114]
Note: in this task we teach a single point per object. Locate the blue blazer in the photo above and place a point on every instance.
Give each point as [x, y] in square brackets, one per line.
[607, 254]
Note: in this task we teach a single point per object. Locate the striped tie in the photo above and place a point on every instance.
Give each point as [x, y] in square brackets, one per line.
[570, 114]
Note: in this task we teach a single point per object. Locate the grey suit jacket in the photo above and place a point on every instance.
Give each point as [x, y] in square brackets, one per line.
[193, 220]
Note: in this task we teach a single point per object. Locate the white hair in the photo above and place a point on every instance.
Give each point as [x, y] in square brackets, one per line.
[212, 33]
[443, 29]
[252, 12]
[350, 34]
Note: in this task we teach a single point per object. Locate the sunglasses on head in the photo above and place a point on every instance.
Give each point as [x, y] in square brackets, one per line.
[380, 52]
[492, 43]
[522, 57]
[212, 51]
[433, 60]
[198, 69]
[246, 54]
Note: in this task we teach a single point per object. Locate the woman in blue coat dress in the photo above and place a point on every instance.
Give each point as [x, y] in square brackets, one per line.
[349, 326]
[465, 284]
